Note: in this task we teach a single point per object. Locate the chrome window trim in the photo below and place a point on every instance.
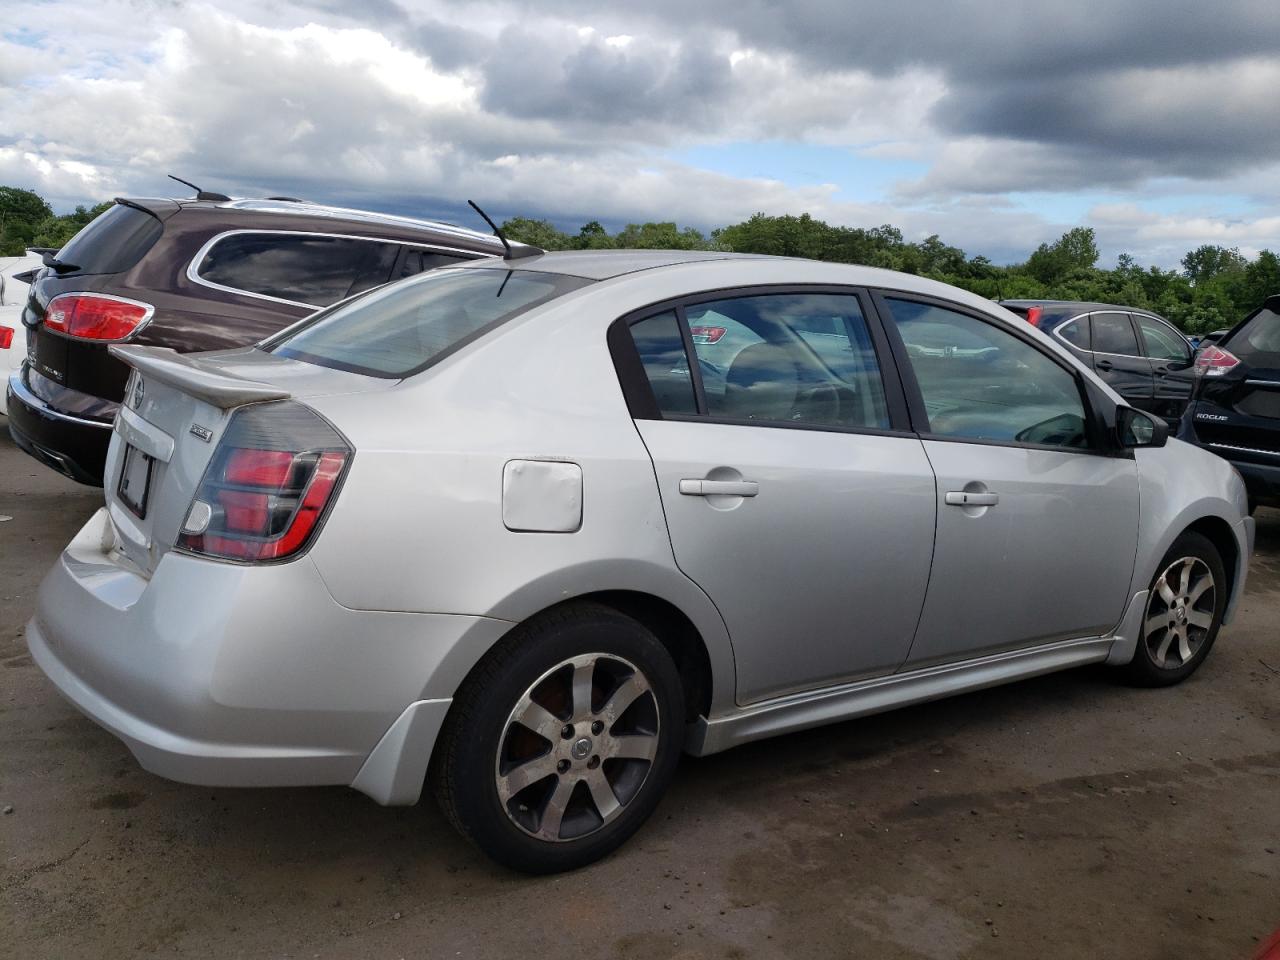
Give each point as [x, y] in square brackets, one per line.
[193, 268]
[1106, 353]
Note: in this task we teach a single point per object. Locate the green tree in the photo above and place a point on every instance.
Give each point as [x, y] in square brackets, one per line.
[21, 213]
[1076, 250]
[539, 233]
[593, 236]
[659, 236]
[1261, 279]
[1206, 262]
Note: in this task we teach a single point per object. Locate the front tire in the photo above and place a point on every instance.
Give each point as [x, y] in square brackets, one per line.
[1185, 605]
[561, 742]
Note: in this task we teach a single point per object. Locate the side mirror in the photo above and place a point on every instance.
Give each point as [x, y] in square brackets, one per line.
[1138, 429]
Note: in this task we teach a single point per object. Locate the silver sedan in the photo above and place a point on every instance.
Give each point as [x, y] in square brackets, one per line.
[526, 529]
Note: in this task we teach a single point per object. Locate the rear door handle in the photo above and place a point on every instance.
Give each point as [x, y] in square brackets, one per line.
[1103, 365]
[959, 498]
[719, 488]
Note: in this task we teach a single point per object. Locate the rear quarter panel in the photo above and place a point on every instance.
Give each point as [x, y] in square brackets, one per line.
[419, 526]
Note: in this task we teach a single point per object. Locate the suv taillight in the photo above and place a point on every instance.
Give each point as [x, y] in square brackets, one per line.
[264, 494]
[1214, 362]
[96, 316]
[1033, 315]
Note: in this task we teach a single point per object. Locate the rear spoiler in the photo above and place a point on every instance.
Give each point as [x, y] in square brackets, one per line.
[191, 376]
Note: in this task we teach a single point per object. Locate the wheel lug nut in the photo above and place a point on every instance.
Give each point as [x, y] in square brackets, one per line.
[562, 766]
[566, 731]
[596, 727]
[593, 763]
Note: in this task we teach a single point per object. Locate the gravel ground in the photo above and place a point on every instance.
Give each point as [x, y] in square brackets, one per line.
[1060, 817]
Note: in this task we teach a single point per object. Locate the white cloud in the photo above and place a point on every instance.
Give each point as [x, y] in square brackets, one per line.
[550, 110]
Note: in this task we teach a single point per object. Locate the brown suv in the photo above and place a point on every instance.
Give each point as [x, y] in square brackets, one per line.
[192, 275]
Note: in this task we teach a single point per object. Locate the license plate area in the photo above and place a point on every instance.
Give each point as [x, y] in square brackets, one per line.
[48, 354]
[135, 481]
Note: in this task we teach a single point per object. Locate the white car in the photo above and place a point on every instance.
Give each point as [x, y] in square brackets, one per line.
[13, 295]
[504, 528]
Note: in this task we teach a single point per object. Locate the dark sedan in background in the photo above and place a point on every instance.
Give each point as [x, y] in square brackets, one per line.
[202, 274]
[1142, 356]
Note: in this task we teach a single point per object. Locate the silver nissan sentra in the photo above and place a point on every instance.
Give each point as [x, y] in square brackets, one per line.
[526, 529]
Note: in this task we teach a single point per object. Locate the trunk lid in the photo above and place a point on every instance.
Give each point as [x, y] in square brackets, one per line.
[175, 410]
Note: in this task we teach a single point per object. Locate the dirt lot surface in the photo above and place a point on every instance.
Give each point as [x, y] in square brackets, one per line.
[1060, 817]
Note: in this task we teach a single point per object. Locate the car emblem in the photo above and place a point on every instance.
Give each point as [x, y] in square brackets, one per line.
[136, 395]
[204, 433]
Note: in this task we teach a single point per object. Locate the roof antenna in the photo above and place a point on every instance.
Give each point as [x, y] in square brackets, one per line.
[200, 194]
[526, 249]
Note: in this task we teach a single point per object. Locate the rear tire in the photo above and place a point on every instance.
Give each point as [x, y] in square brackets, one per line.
[1185, 604]
[562, 740]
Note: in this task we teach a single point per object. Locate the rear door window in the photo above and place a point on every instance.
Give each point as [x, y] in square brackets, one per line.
[113, 242]
[307, 269]
[780, 358]
[666, 365]
[1113, 333]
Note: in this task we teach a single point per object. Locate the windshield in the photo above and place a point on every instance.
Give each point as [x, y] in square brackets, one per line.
[403, 328]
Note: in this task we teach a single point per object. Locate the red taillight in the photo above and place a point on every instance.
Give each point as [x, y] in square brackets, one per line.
[259, 468]
[1214, 361]
[6, 337]
[1033, 316]
[707, 334]
[258, 502]
[96, 316]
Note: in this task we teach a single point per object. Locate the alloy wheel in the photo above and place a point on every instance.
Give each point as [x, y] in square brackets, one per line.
[1179, 613]
[577, 747]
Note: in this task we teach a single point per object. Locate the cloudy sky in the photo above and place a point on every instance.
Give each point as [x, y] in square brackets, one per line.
[995, 125]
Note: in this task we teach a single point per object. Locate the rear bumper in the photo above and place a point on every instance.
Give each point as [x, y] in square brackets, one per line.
[74, 446]
[227, 675]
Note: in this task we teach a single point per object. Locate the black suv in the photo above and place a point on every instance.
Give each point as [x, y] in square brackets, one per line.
[1235, 411]
[200, 274]
[1143, 357]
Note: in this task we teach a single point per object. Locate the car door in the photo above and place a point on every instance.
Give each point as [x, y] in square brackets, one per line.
[1172, 370]
[1037, 527]
[794, 494]
[1118, 359]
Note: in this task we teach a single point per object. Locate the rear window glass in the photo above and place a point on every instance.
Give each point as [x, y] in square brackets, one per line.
[1257, 343]
[113, 242]
[401, 330]
[301, 268]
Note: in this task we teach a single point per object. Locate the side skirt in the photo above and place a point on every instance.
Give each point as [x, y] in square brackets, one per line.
[832, 704]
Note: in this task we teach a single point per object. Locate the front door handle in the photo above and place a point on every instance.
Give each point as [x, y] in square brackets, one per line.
[1103, 365]
[959, 498]
[719, 488]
